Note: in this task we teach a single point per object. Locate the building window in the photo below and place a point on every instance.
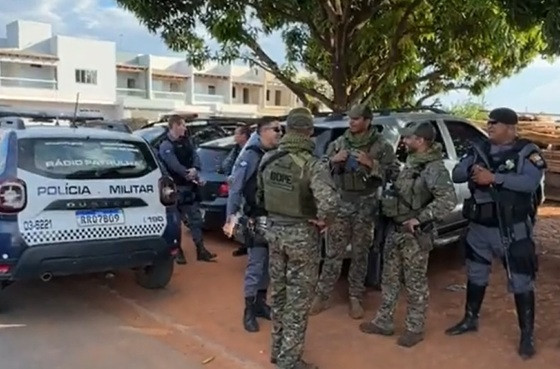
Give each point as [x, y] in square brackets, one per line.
[233, 92]
[130, 83]
[211, 90]
[278, 97]
[245, 96]
[256, 72]
[173, 87]
[86, 76]
[267, 95]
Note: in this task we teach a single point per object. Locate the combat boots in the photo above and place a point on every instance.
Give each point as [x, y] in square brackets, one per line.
[318, 305]
[356, 311]
[249, 315]
[475, 295]
[180, 258]
[202, 254]
[262, 310]
[525, 305]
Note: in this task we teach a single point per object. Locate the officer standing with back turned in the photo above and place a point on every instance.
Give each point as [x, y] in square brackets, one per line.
[503, 176]
[300, 198]
[180, 157]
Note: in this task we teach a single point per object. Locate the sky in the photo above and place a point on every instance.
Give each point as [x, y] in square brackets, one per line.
[535, 89]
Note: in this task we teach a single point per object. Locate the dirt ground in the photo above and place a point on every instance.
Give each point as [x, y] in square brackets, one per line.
[200, 314]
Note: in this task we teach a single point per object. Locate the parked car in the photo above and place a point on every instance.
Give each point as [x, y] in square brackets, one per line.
[79, 200]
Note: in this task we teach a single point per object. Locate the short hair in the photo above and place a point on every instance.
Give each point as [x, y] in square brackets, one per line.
[265, 122]
[174, 120]
[244, 130]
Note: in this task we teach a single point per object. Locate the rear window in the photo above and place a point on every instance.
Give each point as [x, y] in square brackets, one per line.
[82, 158]
[211, 158]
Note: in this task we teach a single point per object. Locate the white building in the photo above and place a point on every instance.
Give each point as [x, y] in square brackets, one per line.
[46, 71]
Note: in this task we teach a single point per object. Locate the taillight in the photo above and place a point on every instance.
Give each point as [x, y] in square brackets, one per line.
[223, 190]
[167, 191]
[13, 196]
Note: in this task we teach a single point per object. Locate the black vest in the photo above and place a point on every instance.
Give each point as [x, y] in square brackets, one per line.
[516, 206]
[183, 150]
[251, 209]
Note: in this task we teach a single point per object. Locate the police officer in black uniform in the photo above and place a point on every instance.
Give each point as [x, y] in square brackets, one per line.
[180, 157]
[503, 176]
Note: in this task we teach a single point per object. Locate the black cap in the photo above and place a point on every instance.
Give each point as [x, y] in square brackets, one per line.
[503, 115]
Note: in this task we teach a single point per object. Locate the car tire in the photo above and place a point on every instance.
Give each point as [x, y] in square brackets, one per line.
[157, 275]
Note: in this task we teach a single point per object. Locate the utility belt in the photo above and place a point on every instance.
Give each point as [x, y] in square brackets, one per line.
[425, 234]
[256, 231]
[188, 194]
[486, 214]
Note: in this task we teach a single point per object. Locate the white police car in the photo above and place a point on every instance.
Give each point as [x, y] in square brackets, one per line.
[83, 200]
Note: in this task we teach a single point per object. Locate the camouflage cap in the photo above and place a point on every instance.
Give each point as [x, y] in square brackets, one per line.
[359, 111]
[503, 115]
[423, 129]
[300, 118]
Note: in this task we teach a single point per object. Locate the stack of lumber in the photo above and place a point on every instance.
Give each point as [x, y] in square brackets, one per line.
[546, 134]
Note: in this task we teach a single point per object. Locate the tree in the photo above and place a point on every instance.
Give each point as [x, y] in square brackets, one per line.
[526, 14]
[385, 52]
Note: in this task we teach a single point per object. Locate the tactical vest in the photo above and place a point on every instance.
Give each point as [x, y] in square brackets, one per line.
[249, 191]
[286, 185]
[353, 176]
[182, 149]
[408, 195]
[516, 206]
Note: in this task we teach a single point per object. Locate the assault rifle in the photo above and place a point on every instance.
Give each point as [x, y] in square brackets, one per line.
[505, 231]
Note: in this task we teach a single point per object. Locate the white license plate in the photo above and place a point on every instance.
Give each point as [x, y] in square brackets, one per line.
[86, 218]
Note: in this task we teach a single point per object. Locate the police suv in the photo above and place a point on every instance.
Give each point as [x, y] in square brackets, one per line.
[79, 200]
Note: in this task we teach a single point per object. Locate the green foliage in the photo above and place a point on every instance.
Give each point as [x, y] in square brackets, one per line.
[386, 52]
[470, 110]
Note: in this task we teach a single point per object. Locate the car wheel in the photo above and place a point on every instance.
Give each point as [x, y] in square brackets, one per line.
[157, 275]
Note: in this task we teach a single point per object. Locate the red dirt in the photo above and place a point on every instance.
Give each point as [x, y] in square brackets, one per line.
[200, 314]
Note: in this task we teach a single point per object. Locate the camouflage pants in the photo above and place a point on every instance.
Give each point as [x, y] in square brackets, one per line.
[405, 262]
[357, 231]
[294, 266]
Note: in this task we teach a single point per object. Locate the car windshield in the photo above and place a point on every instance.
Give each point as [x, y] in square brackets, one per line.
[85, 158]
[149, 134]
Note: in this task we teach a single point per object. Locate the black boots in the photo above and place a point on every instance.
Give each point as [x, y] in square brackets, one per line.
[255, 307]
[249, 315]
[525, 305]
[202, 254]
[262, 309]
[180, 258]
[475, 295]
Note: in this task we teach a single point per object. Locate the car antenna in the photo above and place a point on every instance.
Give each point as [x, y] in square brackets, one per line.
[73, 125]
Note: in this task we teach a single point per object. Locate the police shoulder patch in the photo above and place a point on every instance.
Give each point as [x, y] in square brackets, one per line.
[537, 160]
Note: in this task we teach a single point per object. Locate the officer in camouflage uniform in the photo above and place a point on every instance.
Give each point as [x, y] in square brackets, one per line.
[297, 191]
[503, 175]
[421, 194]
[361, 158]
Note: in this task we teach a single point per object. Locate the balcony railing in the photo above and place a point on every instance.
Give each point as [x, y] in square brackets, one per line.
[168, 95]
[135, 92]
[47, 84]
[202, 98]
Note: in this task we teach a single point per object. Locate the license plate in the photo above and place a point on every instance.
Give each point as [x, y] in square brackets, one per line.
[87, 218]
